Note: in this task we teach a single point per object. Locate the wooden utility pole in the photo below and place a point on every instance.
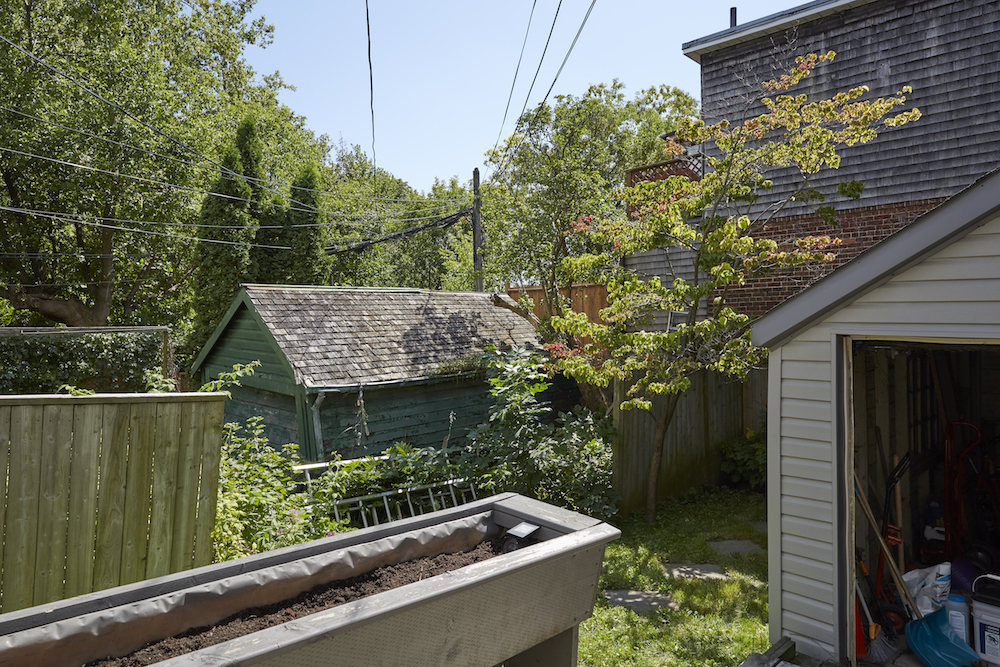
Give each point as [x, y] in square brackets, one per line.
[477, 231]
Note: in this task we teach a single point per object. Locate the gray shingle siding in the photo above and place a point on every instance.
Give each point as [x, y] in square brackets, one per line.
[947, 51]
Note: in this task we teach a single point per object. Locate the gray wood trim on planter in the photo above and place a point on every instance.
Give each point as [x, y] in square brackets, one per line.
[968, 210]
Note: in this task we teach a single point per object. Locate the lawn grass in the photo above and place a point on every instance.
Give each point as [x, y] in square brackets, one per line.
[720, 622]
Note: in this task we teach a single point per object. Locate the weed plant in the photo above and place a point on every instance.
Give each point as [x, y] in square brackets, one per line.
[717, 622]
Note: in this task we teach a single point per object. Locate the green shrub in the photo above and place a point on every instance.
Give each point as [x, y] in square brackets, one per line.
[111, 362]
[261, 506]
[565, 461]
[744, 460]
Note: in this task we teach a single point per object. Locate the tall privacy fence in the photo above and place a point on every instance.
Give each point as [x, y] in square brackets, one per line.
[713, 410]
[104, 490]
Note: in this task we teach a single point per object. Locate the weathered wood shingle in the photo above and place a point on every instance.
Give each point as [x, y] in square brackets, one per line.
[946, 50]
[336, 336]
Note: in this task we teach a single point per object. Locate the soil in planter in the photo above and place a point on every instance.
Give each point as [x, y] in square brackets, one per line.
[310, 602]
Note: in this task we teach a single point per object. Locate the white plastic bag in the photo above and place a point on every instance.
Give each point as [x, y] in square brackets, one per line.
[929, 586]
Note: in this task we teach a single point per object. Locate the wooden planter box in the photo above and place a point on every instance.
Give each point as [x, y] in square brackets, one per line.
[518, 608]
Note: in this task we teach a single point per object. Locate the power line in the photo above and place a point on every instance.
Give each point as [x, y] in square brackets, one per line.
[542, 59]
[371, 90]
[587, 16]
[516, 70]
[258, 181]
[189, 163]
[124, 111]
[337, 217]
[77, 219]
[443, 223]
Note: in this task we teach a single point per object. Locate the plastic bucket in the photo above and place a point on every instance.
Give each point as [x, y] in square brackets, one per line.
[986, 630]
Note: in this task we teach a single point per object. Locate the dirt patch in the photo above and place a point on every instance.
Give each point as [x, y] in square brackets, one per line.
[310, 602]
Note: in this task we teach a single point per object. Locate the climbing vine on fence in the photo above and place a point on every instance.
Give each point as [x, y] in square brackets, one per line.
[111, 362]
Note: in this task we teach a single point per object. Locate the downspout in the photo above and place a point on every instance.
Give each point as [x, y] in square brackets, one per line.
[318, 425]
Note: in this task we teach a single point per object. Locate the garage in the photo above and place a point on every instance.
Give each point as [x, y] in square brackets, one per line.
[886, 371]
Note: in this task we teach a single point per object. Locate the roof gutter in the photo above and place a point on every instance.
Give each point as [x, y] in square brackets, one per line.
[386, 384]
[767, 25]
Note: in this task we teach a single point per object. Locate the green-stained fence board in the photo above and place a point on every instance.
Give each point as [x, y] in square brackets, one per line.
[111, 496]
[53, 503]
[139, 482]
[21, 525]
[88, 419]
[167, 453]
[79, 473]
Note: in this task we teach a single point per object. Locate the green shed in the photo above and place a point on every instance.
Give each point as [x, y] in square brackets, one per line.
[353, 370]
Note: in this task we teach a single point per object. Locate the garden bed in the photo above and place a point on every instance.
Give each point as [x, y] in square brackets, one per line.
[519, 606]
[318, 599]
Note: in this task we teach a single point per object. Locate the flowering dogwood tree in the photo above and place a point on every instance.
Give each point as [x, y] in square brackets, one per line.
[717, 218]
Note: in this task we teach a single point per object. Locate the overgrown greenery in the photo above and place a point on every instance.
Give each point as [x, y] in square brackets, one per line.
[718, 623]
[112, 362]
[261, 506]
[563, 459]
[744, 460]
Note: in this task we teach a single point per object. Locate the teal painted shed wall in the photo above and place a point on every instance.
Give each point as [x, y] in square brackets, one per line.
[280, 419]
[418, 414]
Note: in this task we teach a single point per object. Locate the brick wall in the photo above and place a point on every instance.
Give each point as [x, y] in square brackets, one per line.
[858, 230]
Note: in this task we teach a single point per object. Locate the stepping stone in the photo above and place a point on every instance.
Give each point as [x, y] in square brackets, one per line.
[699, 571]
[736, 547]
[759, 526]
[639, 601]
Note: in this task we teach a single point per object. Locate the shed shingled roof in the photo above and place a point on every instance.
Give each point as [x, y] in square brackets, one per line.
[335, 336]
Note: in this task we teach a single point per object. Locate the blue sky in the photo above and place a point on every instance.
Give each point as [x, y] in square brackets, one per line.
[443, 69]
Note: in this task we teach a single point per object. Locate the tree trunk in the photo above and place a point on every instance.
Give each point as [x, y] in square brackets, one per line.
[656, 460]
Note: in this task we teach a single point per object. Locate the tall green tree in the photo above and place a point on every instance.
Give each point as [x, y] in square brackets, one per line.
[222, 259]
[111, 114]
[564, 164]
[716, 219]
[307, 262]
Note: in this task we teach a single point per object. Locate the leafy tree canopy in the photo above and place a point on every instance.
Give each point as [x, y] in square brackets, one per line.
[111, 124]
[564, 164]
[717, 219]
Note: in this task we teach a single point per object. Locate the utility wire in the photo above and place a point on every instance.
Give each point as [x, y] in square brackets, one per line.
[516, 70]
[443, 223]
[587, 16]
[193, 225]
[124, 111]
[63, 217]
[337, 217]
[189, 163]
[371, 91]
[542, 59]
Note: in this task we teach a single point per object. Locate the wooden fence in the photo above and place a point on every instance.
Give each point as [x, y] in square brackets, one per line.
[104, 490]
[710, 412]
[586, 298]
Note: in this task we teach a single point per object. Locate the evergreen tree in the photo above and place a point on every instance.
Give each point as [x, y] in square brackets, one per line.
[221, 266]
[308, 263]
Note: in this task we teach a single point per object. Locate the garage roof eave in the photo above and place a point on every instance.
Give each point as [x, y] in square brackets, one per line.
[926, 235]
[767, 25]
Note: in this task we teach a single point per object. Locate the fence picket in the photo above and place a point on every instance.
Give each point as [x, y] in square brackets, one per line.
[213, 414]
[186, 494]
[166, 453]
[111, 496]
[53, 503]
[138, 482]
[4, 452]
[87, 422]
[22, 508]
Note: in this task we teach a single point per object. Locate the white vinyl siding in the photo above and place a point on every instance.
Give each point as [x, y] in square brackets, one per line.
[953, 295]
